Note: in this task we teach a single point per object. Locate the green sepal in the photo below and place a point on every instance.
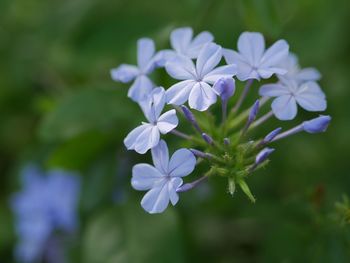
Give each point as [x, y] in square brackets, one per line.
[246, 190]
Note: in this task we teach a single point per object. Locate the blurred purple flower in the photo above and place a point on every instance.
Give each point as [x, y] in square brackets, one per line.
[45, 204]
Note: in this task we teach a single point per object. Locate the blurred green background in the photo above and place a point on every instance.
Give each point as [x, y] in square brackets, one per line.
[59, 108]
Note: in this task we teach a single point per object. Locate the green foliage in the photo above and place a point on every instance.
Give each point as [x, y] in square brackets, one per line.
[128, 234]
[89, 109]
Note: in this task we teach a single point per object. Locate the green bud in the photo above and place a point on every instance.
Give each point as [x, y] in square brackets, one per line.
[231, 186]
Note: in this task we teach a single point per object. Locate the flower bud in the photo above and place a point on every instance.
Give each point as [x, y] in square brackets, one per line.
[225, 88]
[263, 155]
[190, 117]
[268, 138]
[317, 125]
[207, 138]
[252, 115]
[201, 154]
[227, 141]
[253, 112]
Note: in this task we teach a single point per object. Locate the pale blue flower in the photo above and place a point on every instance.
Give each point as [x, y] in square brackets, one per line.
[294, 72]
[147, 60]
[46, 204]
[290, 93]
[196, 80]
[147, 135]
[164, 178]
[183, 42]
[253, 61]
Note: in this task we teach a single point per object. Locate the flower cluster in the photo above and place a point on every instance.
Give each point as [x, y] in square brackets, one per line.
[46, 204]
[202, 78]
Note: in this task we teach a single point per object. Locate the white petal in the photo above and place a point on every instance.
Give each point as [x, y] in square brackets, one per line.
[208, 58]
[181, 68]
[178, 94]
[145, 52]
[182, 163]
[266, 73]
[308, 74]
[198, 42]
[275, 54]
[153, 104]
[284, 107]
[227, 71]
[311, 97]
[148, 139]
[231, 56]
[273, 90]
[159, 99]
[131, 138]
[201, 96]
[252, 46]
[160, 157]
[164, 56]
[145, 176]
[173, 184]
[140, 89]
[124, 73]
[156, 200]
[167, 121]
[244, 69]
[290, 63]
[180, 39]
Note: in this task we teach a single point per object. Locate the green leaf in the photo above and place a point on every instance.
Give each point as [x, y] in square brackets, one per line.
[79, 151]
[85, 110]
[129, 234]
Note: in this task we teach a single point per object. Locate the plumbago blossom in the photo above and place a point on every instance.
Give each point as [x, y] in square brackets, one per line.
[164, 178]
[196, 80]
[46, 204]
[147, 135]
[147, 61]
[223, 145]
[184, 44]
[294, 72]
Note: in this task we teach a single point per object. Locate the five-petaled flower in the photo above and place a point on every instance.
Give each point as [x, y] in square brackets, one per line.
[184, 44]
[164, 178]
[147, 60]
[294, 72]
[289, 93]
[253, 61]
[196, 79]
[147, 135]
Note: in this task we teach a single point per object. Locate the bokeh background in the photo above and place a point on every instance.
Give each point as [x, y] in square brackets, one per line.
[60, 109]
